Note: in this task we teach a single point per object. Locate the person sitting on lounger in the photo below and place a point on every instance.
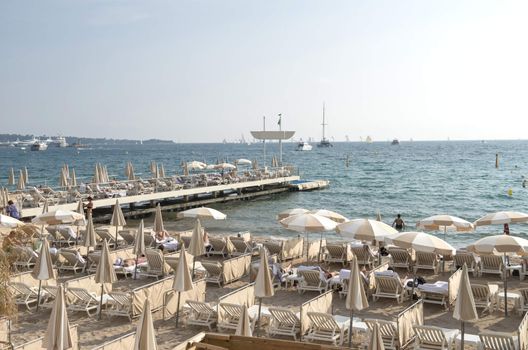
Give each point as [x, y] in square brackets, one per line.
[10, 241]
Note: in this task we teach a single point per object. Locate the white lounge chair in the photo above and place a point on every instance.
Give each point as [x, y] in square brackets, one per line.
[25, 257]
[284, 322]
[435, 293]
[388, 330]
[523, 302]
[49, 302]
[129, 236]
[485, 296]
[389, 286]
[312, 280]
[435, 338]
[86, 301]
[427, 261]
[364, 255]
[497, 341]
[337, 253]
[26, 295]
[327, 328]
[156, 265]
[119, 304]
[242, 246]
[202, 314]
[232, 314]
[461, 258]
[72, 261]
[400, 258]
[214, 271]
[218, 247]
[492, 264]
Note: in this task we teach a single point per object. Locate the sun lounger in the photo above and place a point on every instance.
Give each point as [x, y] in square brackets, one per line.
[427, 261]
[338, 253]
[25, 257]
[243, 246]
[110, 238]
[213, 272]
[220, 246]
[327, 328]
[86, 301]
[461, 258]
[232, 313]
[202, 314]
[365, 256]
[485, 296]
[156, 265]
[435, 293]
[49, 302]
[434, 338]
[129, 236]
[497, 341]
[284, 322]
[492, 264]
[26, 295]
[69, 237]
[312, 280]
[400, 258]
[389, 286]
[523, 302]
[72, 261]
[119, 304]
[388, 330]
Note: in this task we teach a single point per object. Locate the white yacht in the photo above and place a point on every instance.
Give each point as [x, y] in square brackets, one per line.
[59, 141]
[304, 146]
[39, 146]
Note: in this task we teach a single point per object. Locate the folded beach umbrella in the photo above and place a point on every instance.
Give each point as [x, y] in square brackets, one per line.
[58, 335]
[289, 212]
[63, 179]
[356, 299]
[332, 215]
[73, 178]
[309, 223]
[263, 282]
[89, 239]
[21, 185]
[139, 245]
[131, 176]
[43, 269]
[158, 220]
[3, 202]
[445, 223]
[196, 246]
[378, 216]
[202, 213]
[80, 207]
[26, 175]
[465, 309]
[254, 164]
[162, 171]
[145, 333]
[153, 167]
[376, 341]
[10, 222]
[504, 244]
[365, 230]
[182, 279]
[244, 324]
[105, 272]
[11, 178]
[118, 219]
[58, 217]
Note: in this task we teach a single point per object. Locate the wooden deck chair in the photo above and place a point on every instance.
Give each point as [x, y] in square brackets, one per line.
[492, 264]
[485, 296]
[71, 262]
[119, 304]
[218, 247]
[336, 253]
[427, 261]
[67, 238]
[232, 313]
[242, 246]
[202, 314]
[156, 266]
[435, 338]
[274, 248]
[129, 236]
[25, 257]
[388, 330]
[284, 322]
[523, 302]
[52, 295]
[105, 234]
[86, 301]
[364, 255]
[93, 261]
[400, 258]
[26, 295]
[186, 240]
[327, 328]
[389, 287]
[461, 258]
[311, 280]
[214, 272]
[497, 341]
[150, 240]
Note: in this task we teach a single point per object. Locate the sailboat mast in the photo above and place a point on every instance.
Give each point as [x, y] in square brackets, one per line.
[324, 124]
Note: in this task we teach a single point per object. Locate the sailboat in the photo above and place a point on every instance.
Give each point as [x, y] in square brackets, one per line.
[324, 141]
[369, 139]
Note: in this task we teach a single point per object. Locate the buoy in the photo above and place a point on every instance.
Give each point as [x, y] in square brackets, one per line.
[510, 192]
[496, 160]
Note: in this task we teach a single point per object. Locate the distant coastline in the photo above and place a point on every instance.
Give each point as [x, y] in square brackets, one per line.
[85, 140]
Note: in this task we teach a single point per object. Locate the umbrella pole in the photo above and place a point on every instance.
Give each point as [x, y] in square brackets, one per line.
[505, 288]
[38, 297]
[260, 308]
[412, 289]
[178, 310]
[320, 248]
[307, 245]
[115, 244]
[77, 235]
[350, 328]
[194, 261]
[462, 332]
[443, 258]
[135, 268]
[101, 301]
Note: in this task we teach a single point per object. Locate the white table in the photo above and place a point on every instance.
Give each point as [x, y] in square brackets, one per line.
[469, 339]
[512, 296]
[518, 268]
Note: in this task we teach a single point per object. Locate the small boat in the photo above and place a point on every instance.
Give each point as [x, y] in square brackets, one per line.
[369, 139]
[324, 141]
[304, 146]
[39, 146]
[395, 142]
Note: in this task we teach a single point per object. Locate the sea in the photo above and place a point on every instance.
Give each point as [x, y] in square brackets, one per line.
[415, 179]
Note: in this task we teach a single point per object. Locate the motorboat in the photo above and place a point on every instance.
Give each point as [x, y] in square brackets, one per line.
[59, 141]
[304, 146]
[395, 142]
[39, 146]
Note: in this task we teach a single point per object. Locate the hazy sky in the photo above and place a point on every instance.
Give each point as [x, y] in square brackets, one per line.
[209, 70]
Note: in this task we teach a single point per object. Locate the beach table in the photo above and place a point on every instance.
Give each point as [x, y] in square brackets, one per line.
[513, 297]
[518, 268]
[469, 339]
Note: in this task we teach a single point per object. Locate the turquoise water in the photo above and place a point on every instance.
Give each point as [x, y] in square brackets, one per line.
[416, 179]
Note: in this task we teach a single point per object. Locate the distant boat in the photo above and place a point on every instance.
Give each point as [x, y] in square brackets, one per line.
[368, 140]
[324, 141]
[78, 145]
[39, 146]
[395, 142]
[304, 146]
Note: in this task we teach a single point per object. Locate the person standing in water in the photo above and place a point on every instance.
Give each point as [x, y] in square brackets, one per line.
[398, 223]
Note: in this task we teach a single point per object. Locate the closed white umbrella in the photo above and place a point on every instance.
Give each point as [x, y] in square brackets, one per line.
[290, 212]
[11, 178]
[43, 269]
[73, 178]
[21, 185]
[26, 175]
[158, 220]
[332, 215]
[202, 213]
[97, 175]
[118, 219]
[378, 216]
[105, 272]
[162, 171]
[89, 239]
[504, 244]
[139, 245]
[58, 217]
[10, 222]
[356, 299]
[376, 341]
[63, 179]
[465, 309]
[263, 282]
[145, 333]
[197, 246]
[182, 279]
[58, 335]
[244, 325]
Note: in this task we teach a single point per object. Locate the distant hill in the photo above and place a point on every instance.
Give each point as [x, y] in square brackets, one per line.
[84, 140]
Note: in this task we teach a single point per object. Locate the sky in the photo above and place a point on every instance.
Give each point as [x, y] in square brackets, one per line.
[204, 71]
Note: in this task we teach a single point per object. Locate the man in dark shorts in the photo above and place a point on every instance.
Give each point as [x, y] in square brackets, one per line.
[89, 206]
[398, 223]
